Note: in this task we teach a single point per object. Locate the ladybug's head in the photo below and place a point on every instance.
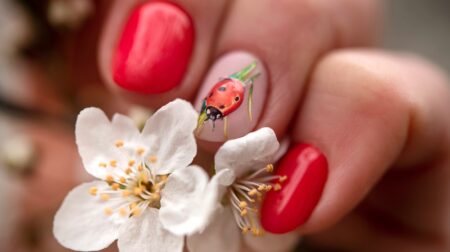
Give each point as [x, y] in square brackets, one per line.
[213, 113]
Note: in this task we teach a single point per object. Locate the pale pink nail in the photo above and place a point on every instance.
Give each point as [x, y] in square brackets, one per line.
[227, 114]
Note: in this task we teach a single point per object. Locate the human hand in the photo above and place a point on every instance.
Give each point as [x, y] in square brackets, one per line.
[379, 118]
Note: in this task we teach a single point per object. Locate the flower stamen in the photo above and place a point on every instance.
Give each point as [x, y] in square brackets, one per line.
[119, 143]
[137, 183]
[113, 163]
[93, 191]
[245, 195]
[140, 151]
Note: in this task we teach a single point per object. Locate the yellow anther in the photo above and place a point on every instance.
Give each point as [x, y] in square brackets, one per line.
[136, 211]
[125, 193]
[123, 212]
[102, 164]
[137, 191]
[131, 162]
[144, 177]
[269, 168]
[152, 159]
[244, 212]
[155, 197]
[140, 168]
[115, 186]
[133, 205]
[109, 179]
[252, 192]
[113, 163]
[262, 187]
[122, 180]
[282, 178]
[108, 211]
[128, 171]
[243, 204]
[140, 151]
[104, 197]
[245, 230]
[268, 188]
[118, 143]
[257, 232]
[93, 191]
[277, 187]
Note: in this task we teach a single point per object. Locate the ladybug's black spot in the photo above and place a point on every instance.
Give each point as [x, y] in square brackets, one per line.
[222, 106]
[236, 98]
[222, 88]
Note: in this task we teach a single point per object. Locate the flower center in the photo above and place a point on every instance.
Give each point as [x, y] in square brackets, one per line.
[245, 196]
[133, 182]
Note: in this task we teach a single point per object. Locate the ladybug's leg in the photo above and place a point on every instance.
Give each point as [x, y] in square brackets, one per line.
[250, 82]
[250, 102]
[225, 127]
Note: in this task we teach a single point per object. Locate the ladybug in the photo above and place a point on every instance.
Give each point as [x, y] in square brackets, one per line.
[226, 96]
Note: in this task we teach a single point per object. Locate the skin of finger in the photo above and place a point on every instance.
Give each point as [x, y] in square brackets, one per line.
[366, 110]
[404, 212]
[206, 26]
[289, 36]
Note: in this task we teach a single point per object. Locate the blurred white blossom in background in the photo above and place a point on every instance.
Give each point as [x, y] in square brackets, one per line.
[69, 13]
[9, 191]
[15, 31]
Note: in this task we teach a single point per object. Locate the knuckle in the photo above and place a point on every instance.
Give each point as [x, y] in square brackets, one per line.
[371, 84]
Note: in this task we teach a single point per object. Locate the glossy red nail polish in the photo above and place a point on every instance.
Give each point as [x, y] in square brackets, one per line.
[306, 169]
[154, 49]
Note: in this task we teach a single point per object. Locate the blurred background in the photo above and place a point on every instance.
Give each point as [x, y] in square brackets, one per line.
[44, 83]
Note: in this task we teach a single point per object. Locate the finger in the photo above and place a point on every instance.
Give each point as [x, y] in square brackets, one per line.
[265, 52]
[152, 52]
[366, 111]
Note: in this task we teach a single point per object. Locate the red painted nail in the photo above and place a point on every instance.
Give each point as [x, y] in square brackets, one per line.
[154, 49]
[306, 169]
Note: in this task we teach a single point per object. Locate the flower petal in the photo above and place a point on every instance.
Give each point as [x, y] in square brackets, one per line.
[96, 137]
[188, 201]
[222, 235]
[272, 242]
[144, 233]
[247, 153]
[125, 125]
[284, 146]
[80, 223]
[170, 134]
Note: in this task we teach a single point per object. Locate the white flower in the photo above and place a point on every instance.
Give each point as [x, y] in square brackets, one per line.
[133, 168]
[229, 206]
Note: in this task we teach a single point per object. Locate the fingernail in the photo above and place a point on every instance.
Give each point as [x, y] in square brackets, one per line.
[154, 48]
[231, 98]
[306, 169]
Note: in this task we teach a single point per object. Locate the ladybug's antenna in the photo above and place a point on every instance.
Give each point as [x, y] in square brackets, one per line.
[225, 127]
[250, 95]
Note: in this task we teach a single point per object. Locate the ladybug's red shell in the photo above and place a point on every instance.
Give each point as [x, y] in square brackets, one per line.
[226, 96]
